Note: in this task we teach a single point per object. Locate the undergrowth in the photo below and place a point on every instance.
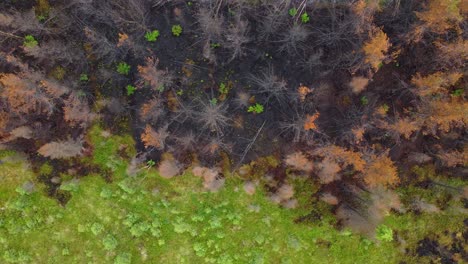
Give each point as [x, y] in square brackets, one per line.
[150, 219]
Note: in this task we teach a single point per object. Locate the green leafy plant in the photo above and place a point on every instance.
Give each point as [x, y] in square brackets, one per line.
[214, 101]
[223, 89]
[384, 233]
[364, 100]
[457, 92]
[256, 108]
[305, 18]
[150, 163]
[200, 249]
[160, 88]
[385, 107]
[96, 228]
[106, 193]
[176, 30]
[215, 45]
[123, 68]
[109, 242]
[46, 169]
[30, 41]
[152, 36]
[123, 258]
[65, 252]
[41, 18]
[84, 77]
[130, 89]
[293, 11]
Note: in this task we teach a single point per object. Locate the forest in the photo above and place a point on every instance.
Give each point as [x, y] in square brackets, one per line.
[233, 131]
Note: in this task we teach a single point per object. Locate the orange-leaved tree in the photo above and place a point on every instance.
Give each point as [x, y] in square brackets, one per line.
[153, 138]
[380, 171]
[435, 83]
[153, 77]
[309, 123]
[375, 49]
[24, 96]
[441, 15]
[342, 156]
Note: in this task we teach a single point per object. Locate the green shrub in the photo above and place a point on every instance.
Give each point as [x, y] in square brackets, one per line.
[46, 169]
[123, 258]
[257, 108]
[176, 30]
[292, 12]
[130, 89]
[96, 228]
[223, 89]
[152, 36]
[84, 77]
[305, 18]
[109, 242]
[30, 41]
[384, 233]
[123, 68]
[364, 100]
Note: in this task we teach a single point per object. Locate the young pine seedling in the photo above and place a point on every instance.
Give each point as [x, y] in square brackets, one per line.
[256, 109]
[123, 68]
[152, 36]
[176, 30]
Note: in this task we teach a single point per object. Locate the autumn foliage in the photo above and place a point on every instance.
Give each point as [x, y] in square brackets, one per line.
[381, 171]
[342, 156]
[153, 77]
[23, 95]
[309, 123]
[441, 15]
[150, 137]
[404, 127]
[299, 161]
[376, 48]
[446, 115]
[435, 83]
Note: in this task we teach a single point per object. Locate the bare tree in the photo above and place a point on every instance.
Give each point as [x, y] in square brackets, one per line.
[212, 116]
[269, 84]
[237, 36]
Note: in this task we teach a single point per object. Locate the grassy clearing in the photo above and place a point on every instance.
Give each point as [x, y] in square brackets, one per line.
[148, 219]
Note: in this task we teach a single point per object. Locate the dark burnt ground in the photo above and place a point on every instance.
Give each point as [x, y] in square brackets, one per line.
[293, 63]
[323, 54]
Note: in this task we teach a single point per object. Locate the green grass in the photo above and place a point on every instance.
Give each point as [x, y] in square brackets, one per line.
[14, 172]
[149, 219]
